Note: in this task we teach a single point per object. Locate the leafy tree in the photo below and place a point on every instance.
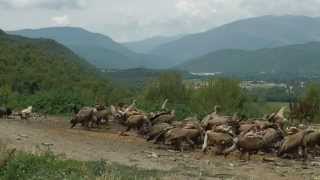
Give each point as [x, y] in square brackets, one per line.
[5, 92]
[223, 92]
[307, 107]
[46, 75]
[167, 86]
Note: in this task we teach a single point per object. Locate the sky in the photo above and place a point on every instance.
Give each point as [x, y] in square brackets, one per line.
[131, 20]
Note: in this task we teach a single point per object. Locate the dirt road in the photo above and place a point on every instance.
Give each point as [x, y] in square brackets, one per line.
[106, 144]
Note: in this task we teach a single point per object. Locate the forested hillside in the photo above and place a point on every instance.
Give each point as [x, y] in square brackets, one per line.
[303, 59]
[41, 68]
[97, 49]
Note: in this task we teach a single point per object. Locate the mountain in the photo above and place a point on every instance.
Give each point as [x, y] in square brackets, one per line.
[147, 45]
[294, 59]
[29, 66]
[97, 49]
[253, 33]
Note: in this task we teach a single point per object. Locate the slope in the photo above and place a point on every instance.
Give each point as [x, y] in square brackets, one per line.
[97, 49]
[147, 45]
[29, 66]
[295, 59]
[253, 33]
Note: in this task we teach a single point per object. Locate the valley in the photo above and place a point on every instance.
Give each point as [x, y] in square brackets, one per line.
[166, 96]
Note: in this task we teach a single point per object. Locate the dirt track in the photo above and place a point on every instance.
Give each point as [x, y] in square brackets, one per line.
[134, 151]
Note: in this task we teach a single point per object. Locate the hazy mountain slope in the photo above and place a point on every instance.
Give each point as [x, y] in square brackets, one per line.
[104, 58]
[147, 45]
[97, 49]
[301, 58]
[253, 33]
[74, 36]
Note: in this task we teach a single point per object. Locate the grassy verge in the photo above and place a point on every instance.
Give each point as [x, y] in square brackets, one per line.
[46, 166]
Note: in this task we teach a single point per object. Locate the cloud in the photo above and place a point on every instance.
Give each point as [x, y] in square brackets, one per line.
[297, 7]
[61, 20]
[137, 19]
[48, 4]
[195, 8]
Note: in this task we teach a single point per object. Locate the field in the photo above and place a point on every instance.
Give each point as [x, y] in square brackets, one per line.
[130, 157]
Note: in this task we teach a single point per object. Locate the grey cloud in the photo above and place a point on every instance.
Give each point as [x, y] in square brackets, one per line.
[126, 20]
[47, 4]
[296, 7]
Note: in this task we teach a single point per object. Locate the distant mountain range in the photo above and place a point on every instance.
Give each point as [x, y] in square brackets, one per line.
[253, 33]
[221, 43]
[97, 49]
[147, 45]
[295, 59]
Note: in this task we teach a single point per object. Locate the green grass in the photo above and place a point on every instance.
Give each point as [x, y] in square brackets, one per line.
[46, 166]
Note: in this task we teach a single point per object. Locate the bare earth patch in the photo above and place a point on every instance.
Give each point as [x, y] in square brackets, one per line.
[81, 144]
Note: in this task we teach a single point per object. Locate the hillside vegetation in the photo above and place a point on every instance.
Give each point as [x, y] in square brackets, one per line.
[46, 73]
[301, 59]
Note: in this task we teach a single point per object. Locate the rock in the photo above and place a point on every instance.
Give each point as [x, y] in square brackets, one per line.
[23, 135]
[154, 155]
[207, 161]
[151, 154]
[47, 144]
[315, 163]
[173, 151]
[173, 159]
[20, 136]
[265, 159]
[224, 176]
[186, 156]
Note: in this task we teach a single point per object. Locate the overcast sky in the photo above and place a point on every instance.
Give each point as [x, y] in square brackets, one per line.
[127, 20]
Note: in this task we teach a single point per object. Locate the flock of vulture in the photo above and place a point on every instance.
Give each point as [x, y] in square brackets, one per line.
[222, 134]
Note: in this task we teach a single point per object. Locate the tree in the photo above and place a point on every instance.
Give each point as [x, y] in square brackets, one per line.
[5, 92]
[219, 91]
[307, 107]
[168, 86]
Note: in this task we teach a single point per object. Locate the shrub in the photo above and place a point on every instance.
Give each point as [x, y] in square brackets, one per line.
[167, 86]
[307, 107]
[190, 101]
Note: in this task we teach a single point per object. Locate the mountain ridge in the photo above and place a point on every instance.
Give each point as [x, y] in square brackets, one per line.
[96, 48]
[251, 33]
[298, 58]
[147, 45]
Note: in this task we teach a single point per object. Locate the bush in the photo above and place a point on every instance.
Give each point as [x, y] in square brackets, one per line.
[307, 107]
[5, 92]
[223, 92]
[190, 101]
[167, 86]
